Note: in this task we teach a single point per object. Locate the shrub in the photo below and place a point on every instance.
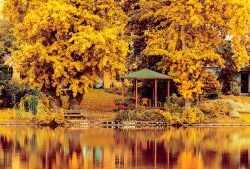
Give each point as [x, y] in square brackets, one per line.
[140, 115]
[126, 115]
[169, 117]
[46, 118]
[192, 115]
[236, 88]
[188, 116]
[151, 115]
[216, 108]
[173, 104]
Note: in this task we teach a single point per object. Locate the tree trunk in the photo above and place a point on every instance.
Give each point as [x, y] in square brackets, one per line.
[75, 102]
[55, 102]
[58, 103]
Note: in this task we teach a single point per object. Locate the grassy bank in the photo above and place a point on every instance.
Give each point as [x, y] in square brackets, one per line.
[99, 105]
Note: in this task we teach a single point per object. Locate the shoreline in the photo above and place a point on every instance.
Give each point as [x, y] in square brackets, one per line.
[126, 124]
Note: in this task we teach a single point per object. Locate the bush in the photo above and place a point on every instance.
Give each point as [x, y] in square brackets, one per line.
[188, 116]
[140, 115]
[169, 117]
[12, 94]
[236, 88]
[151, 115]
[45, 115]
[173, 104]
[126, 115]
[46, 118]
[216, 108]
[192, 115]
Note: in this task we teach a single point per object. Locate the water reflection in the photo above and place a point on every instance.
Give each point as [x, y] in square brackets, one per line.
[75, 148]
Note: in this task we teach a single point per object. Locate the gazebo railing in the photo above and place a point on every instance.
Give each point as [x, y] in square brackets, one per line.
[143, 102]
[149, 103]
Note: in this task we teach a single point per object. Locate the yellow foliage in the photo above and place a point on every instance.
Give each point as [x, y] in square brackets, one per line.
[187, 34]
[64, 45]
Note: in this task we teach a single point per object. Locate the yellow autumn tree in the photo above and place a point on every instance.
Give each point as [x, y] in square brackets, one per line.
[63, 46]
[187, 33]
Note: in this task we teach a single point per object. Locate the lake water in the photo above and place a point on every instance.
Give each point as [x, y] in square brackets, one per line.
[96, 148]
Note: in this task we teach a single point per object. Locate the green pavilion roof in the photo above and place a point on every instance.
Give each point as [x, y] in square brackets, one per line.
[146, 74]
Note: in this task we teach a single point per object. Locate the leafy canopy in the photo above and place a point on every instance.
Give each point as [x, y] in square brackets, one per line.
[66, 44]
[187, 34]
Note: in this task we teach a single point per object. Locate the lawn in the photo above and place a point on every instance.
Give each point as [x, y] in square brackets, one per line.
[242, 99]
[241, 105]
[99, 101]
[98, 105]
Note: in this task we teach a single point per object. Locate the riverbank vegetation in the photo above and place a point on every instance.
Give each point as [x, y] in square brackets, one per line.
[227, 109]
[54, 52]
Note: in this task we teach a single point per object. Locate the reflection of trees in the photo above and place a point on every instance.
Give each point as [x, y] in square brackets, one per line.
[189, 160]
[29, 147]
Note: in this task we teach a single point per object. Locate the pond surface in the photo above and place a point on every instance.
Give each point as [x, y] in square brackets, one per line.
[75, 148]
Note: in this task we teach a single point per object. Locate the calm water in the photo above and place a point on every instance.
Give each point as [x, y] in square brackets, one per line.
[75, 148]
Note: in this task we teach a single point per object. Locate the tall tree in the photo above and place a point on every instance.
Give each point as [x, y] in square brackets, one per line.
[64, 45]
[227, 75]
[6, 42]
[135, 31]
[187, 32]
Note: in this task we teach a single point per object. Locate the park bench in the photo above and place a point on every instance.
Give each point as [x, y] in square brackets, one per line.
[73, 114]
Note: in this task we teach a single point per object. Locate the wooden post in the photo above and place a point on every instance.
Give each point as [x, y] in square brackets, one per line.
[123, 91]
[136, 93]
[153, 90]
[169, 94]
[155, 93]
[166, 88]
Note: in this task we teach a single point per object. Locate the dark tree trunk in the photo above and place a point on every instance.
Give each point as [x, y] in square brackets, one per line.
[55, 101]
[75, 102]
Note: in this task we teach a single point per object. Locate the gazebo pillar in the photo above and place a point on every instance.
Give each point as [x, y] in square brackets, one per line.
[136, 93]
[168, 88]
[155, 92]
[123, 91]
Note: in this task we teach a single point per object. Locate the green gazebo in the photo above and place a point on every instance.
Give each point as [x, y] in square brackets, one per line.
[146, 74]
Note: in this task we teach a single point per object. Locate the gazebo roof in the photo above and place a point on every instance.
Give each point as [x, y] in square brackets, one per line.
[146, 74]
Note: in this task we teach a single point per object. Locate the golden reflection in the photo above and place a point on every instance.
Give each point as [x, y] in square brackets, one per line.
[171, 148]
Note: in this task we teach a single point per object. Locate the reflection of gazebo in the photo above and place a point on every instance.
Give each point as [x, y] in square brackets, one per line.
[146, 74]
